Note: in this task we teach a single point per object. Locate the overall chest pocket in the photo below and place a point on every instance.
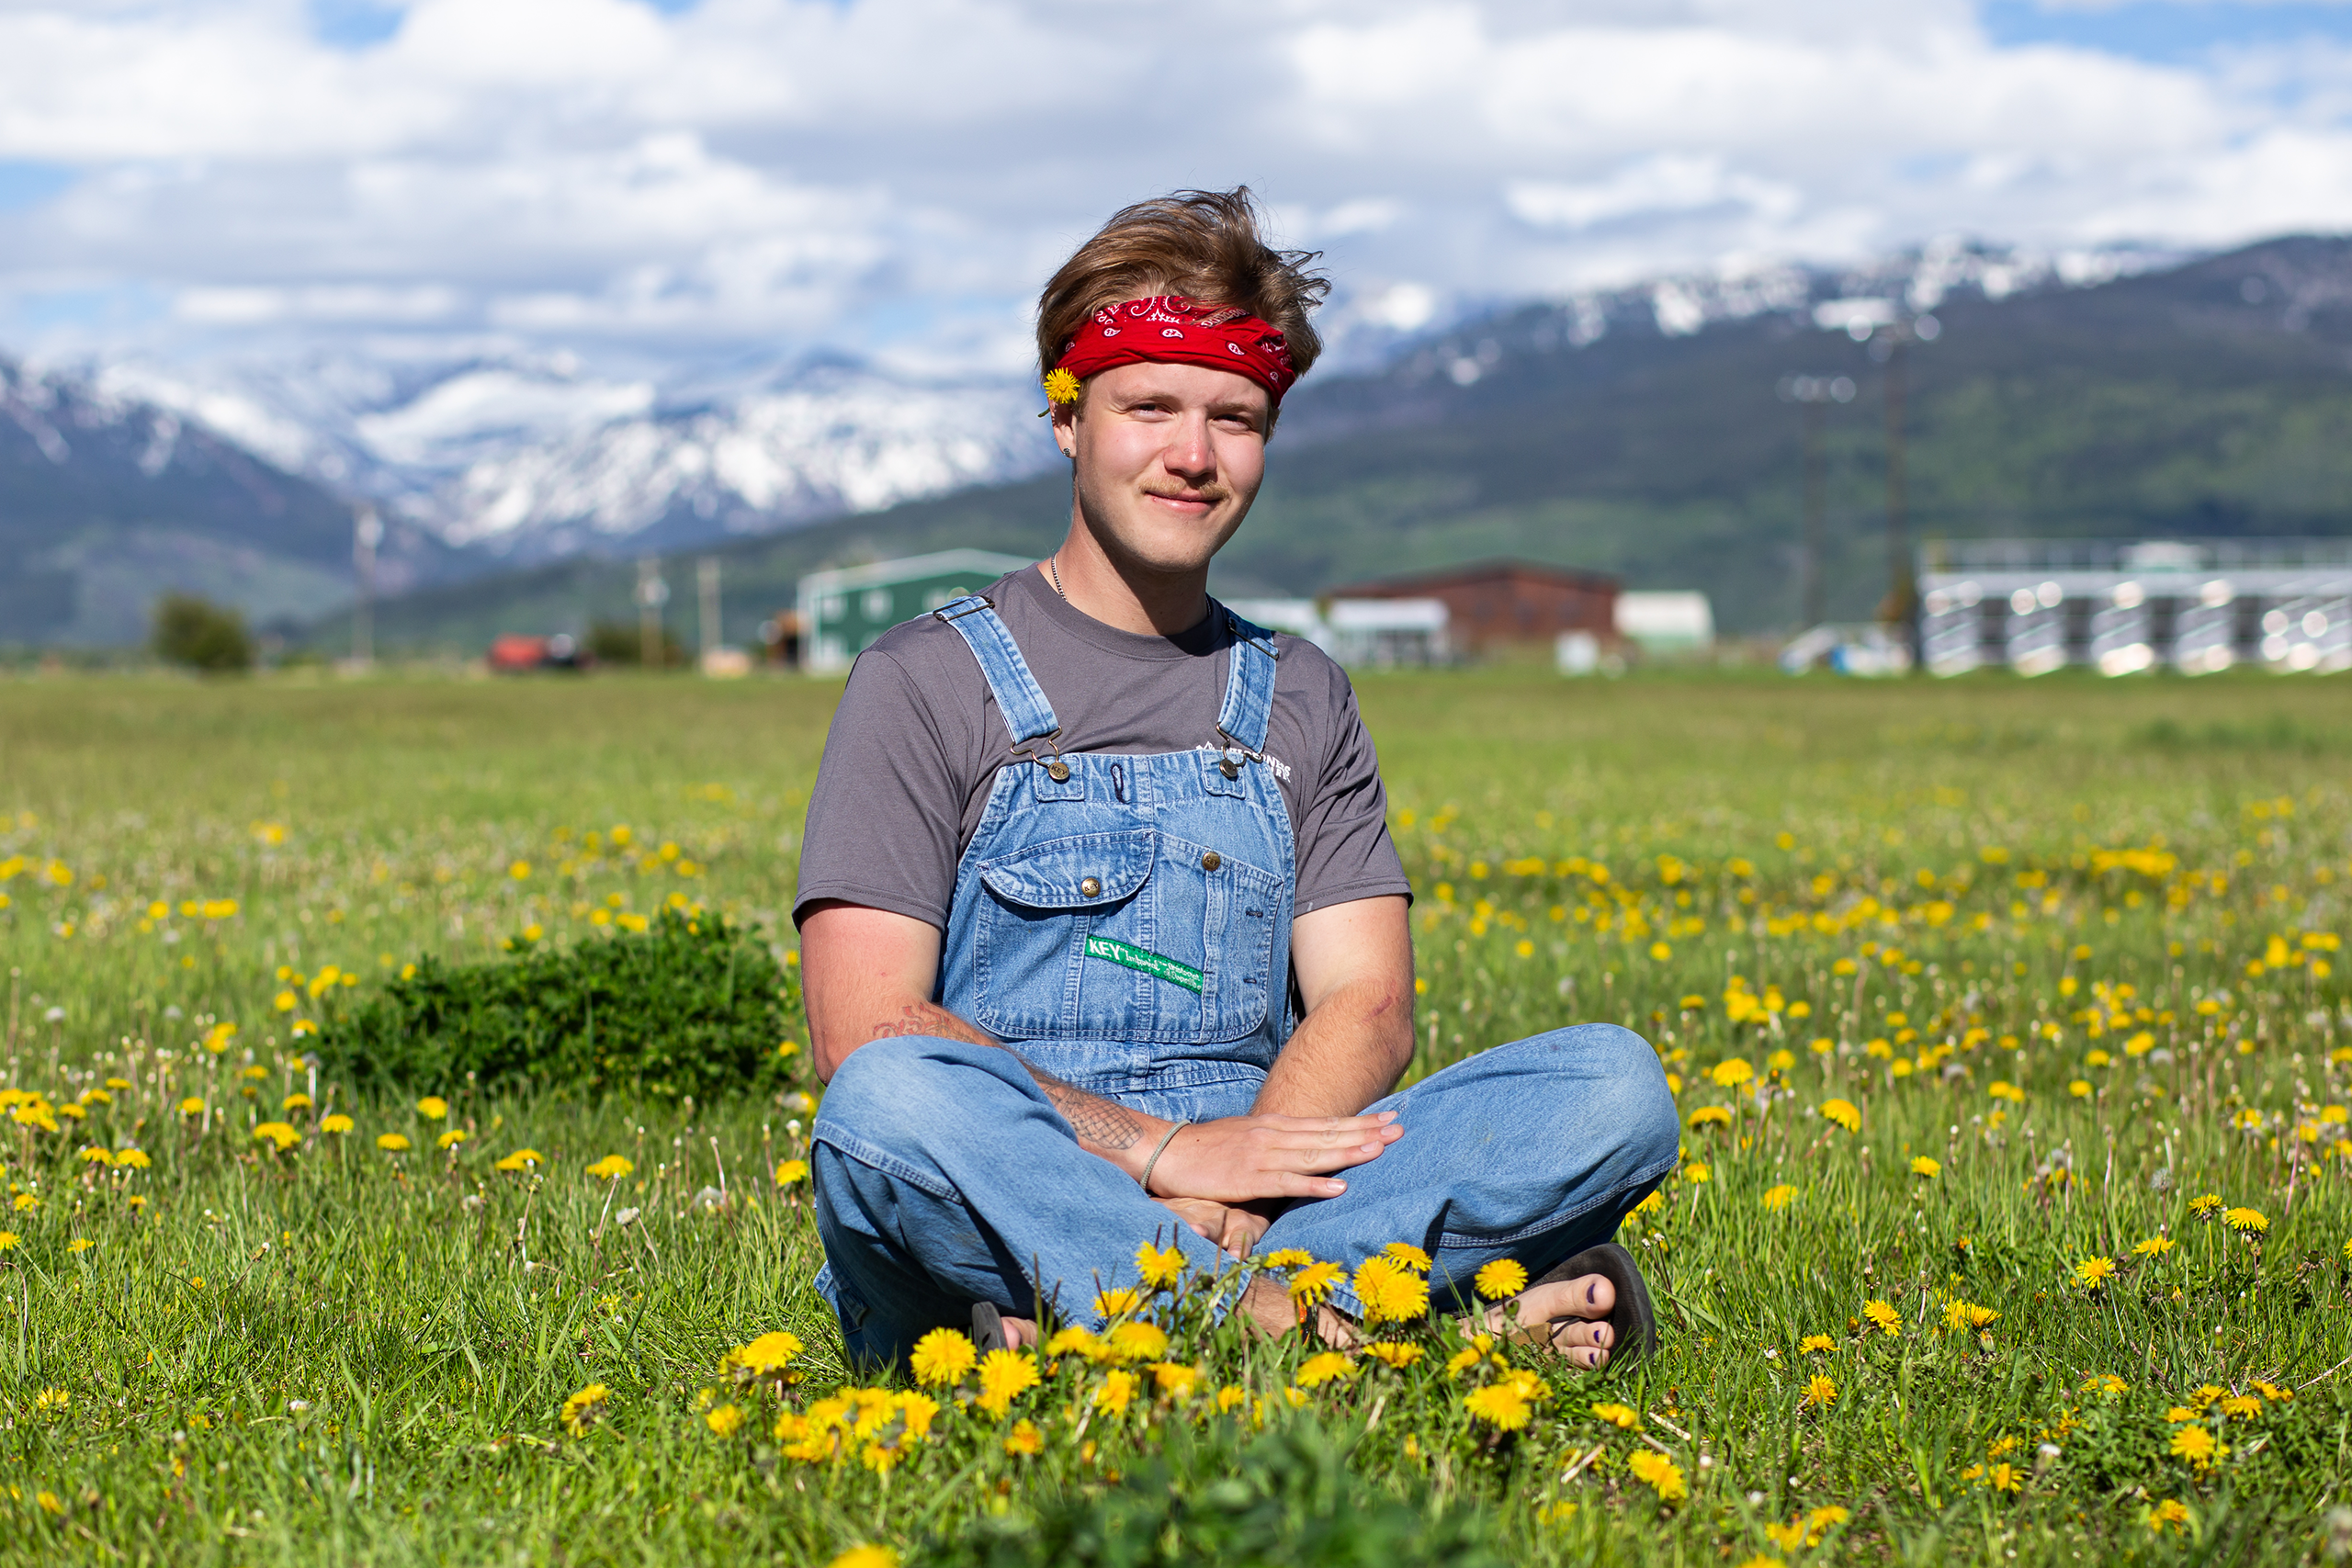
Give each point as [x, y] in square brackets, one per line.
[1134, 935]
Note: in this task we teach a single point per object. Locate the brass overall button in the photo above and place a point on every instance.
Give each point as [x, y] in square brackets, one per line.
[1057, 770]
[1228, 767]
[1211, 861]
[1092, 886]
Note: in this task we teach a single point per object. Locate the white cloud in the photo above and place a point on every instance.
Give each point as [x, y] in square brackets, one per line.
[896, 176]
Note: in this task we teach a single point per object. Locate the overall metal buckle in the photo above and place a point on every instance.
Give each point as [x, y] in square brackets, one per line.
[1056, 769]
[944, 618]
[1226, 746]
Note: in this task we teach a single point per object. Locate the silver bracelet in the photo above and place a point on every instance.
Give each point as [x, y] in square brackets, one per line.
[1165, 1139]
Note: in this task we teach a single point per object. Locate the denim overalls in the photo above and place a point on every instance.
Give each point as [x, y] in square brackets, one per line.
[1123, 923]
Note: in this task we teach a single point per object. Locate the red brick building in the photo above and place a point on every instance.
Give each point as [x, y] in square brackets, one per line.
[1493, 603]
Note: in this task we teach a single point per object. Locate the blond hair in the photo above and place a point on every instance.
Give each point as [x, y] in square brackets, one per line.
[1206, 245]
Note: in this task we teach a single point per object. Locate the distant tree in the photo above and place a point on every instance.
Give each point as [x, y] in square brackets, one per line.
[619, 642]
[201, 635]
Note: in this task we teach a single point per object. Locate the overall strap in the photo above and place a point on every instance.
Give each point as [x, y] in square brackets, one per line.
[1026, 712]
[1249, 685]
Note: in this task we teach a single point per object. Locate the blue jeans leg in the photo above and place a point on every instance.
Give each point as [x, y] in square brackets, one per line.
[943, 1177]
[1533, 1150]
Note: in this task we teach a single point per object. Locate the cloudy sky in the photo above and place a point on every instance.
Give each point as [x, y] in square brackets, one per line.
[681, 178]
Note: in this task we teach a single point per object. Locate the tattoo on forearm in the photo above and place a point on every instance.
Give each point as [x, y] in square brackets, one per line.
[1099, 1123]
[1103, 1123]
[929, 1020]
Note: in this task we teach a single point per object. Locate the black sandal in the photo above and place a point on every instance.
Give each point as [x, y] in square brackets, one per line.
[1633, 1322]
[987, 1327]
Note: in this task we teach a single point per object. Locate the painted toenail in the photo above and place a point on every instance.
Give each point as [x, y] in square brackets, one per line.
[1591, 1293]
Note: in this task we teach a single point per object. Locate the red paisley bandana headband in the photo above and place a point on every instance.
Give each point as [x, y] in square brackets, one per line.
[1170, 329]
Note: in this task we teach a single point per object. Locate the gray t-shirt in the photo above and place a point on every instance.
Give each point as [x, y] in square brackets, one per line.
[917, 742]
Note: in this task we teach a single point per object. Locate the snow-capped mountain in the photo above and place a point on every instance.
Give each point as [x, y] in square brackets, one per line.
[527, 458]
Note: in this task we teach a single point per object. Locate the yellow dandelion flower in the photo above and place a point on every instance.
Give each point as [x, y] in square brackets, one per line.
[1160, 1265]
[1061, 387]
[1024, 1442]
[1780, 1197]
[1111, 1303]
[80, 1244]
[1314, 1282]
[1930, 1169]
[1389, 1293]
[1119, 1388]
[1710, 1116]
[583, 1409]
[277, 1133]
[2167, 1514]
[1843, 1113]
[1499, 1405]
[1405, 1255]
[866, 1557]
[1005, 1375]
[2094, 1273]
[1326, 1367]
[1813, 1342]
[2246, 1221]
[1696, 1170]
[2154, 1246]
[1623, 1416]
[1731, 1073]
[1077, 1339]
[1819, 1392]
[2245, 1406]
[1503, 1277]
[725, 1421]
[1659, 1473]
[789, 1172]
[1888, 1321]
[765, 1358]
[2196, 1445]
[392, 1143]
[336, 1122]
[942, 1356]
[191, 1106]
[1392, 1353]
[452, 1138]
[1137, 1341]
[1175, 1379]
[1286, 1258]
[433, 1108]
[612, 1168]
[2203, 1206]
[522, 1160]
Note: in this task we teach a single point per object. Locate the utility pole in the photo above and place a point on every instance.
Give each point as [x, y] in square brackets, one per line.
[651, 594]
[707, 594]
[1888, 345]
[366, 533]
[1813, 394]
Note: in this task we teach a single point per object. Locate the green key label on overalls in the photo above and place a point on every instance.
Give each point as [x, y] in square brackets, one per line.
[1167, 969]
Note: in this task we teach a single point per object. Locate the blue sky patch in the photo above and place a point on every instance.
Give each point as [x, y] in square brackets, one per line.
[356, 24]
[2168, 31]
[25, 185]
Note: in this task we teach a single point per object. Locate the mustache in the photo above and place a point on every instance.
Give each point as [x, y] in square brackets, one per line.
[1211, 492]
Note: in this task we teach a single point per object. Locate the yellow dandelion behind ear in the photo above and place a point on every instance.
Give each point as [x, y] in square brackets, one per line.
[1061, 387]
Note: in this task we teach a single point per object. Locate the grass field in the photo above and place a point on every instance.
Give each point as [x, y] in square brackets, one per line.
[2008, 1021]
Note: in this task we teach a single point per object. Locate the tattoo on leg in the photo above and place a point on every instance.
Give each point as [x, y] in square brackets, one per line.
[1105, 1123]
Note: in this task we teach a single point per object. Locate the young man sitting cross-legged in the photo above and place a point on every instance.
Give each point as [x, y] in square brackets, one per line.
[1084, 846]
